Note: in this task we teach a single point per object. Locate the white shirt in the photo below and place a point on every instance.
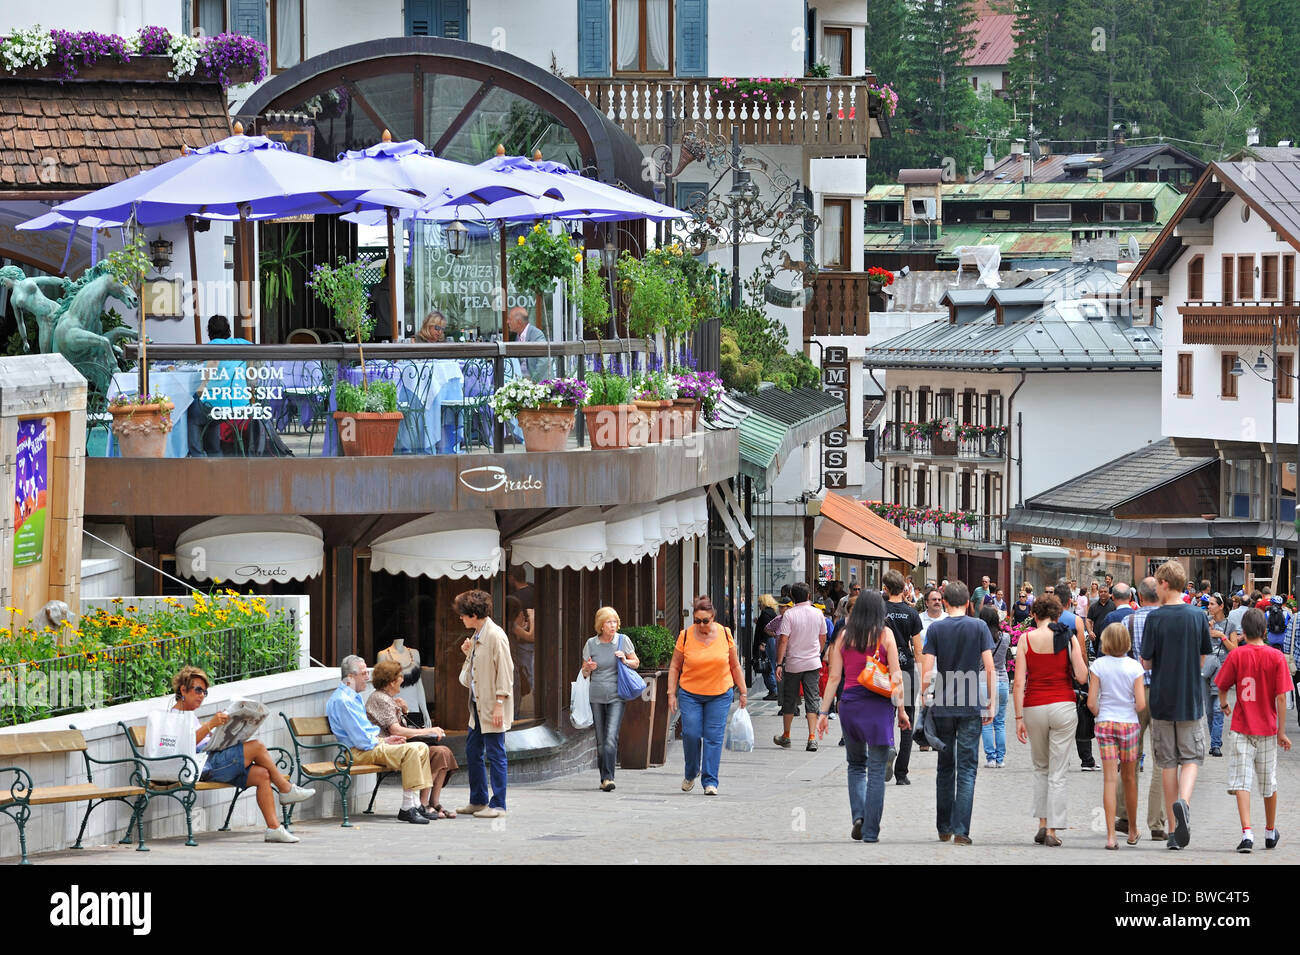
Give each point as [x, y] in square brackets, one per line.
[926, 620]
[1115, 695]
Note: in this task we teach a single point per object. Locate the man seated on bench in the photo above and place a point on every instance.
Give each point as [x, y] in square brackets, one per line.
[245, 765]
[349, 722]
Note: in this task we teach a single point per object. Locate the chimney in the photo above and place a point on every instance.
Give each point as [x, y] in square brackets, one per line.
[1017, 148]
[1097, 244]
[1252, 136]
[988, 155]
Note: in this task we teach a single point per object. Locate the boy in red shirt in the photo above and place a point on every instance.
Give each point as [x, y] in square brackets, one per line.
[1261, 679]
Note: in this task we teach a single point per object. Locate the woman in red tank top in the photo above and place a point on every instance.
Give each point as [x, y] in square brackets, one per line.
[1049, 661]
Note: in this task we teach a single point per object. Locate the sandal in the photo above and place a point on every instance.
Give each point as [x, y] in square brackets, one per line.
[1041, 836]
[1051, 840]
[1111, 845]
[1134, 840]
[444, 813]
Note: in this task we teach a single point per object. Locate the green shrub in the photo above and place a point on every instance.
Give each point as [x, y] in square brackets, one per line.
[654, 645]
[379, 397]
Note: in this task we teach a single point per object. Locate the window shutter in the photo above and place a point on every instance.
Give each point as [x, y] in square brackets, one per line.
[593, 38]
[451, 19]
[249, 18]
[692, 37]
[419, 18]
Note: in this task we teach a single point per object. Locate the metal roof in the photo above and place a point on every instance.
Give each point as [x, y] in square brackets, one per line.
[772, 423]
[1074, 333]
[995, 40]
[1116, 482]
[1148, 535]
[1035, 191]
[1114, 163]
[1019, 243]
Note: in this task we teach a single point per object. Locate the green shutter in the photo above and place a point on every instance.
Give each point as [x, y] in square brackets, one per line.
[249, 18]
[419, 18]
[593, 38]
[692, 37]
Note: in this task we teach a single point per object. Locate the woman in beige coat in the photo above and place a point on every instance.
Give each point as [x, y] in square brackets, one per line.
[489, 673]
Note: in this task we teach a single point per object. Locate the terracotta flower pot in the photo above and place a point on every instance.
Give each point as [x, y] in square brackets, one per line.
[142, 430]
[616, 426]
[651, 411]
[688, 410]
[546, 429]
[367, 433]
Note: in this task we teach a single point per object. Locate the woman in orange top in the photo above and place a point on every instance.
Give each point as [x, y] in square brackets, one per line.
[702, 678]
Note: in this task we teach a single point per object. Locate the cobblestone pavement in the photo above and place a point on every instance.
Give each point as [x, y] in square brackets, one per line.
[774, 806]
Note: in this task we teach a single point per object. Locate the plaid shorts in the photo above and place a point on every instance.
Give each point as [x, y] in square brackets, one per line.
[1118, 740]
[1251, 756]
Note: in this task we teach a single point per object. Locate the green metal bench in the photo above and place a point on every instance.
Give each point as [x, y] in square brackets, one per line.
[336, 769]
[21, 796]
[187, 787]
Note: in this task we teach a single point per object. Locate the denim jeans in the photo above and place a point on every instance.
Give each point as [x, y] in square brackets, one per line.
[607, 718]
[1215, 715]
[769, 677]
[958, 762]
[995, 733]
[494, 744]
[704, 721]
[903, 762]
[866, 785]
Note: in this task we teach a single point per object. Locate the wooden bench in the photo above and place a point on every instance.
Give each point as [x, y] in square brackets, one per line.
[21, 796]
[186, 789]
[336, 769]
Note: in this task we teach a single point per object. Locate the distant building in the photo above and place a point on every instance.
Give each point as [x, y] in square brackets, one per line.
[1151, 162]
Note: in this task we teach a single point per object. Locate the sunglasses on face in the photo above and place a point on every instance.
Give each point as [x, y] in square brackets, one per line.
[200, 690]
[703, 621]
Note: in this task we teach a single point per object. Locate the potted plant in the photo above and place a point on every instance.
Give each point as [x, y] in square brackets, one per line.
[613, 421]
[645, 722]
[757, 90]
[591, 295]
[538, 260]
[141, 424]
[655, 292]
[653, 394]
[342, 288]
[698, 393]
[544, 409]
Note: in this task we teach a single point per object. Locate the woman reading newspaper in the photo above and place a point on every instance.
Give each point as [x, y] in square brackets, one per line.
[245, 764]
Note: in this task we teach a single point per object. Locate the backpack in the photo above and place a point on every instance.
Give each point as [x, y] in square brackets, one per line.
[1276, 621]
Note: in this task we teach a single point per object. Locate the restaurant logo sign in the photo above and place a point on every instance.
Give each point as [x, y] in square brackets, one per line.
[474, 568]
[1098, 545]
[1048, 541]
[1209, 552]
[257, 570]
[491, 478]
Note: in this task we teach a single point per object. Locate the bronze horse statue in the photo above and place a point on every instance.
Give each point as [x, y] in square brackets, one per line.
[78, 329]
[36, 297]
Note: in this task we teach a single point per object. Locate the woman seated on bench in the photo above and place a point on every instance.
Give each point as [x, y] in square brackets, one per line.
[245, 765]
[387, 711]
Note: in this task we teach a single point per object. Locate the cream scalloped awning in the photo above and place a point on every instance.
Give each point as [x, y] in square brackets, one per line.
[625, 532]
[262, 549]
[466, 544]
[575, 540]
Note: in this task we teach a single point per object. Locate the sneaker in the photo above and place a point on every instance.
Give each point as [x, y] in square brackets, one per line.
[470, 810]
[991, 764]
[1270, 842]
[710, 790]
[999, 765]
[962, 841]
[429, 813]
[489, 813]
[902, 781]
[1245, 845]
[856, 834]
[1215, 751]
[811, 747]
[413, 816]
[782, 741]
[1090, 768]
[295, 794]
[1170, 844]
[1182, 833]
[607, 786]
[889, 764]
[688, 785]
[280, 834]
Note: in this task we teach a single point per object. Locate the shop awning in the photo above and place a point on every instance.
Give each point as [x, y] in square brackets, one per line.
[832, 539]
[261, 549]
[733, 515]
[885, 540]
[467, 544]
[670, 521]
[576, 541]
[625, 533]
[773, 423]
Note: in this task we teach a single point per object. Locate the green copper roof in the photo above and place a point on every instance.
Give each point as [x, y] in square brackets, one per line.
[1020, 243]
[1037, 191]
[772, 423]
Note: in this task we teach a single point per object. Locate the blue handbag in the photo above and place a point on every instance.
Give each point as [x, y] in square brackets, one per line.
[630, 684]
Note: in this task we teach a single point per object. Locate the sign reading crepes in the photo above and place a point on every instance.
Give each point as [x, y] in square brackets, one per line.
[835, 382]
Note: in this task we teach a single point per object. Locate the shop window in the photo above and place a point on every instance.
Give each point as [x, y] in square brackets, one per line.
[1227, 380]
[1196, 279]
[1185, 374]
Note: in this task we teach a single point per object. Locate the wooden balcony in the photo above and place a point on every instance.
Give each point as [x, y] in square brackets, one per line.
[841, 305]
[831, 116]
[1214, 323]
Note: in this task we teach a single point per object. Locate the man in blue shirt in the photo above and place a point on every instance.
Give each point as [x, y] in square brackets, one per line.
[348, 721]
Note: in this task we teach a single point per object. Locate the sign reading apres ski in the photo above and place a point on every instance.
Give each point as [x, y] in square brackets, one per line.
[31, 474]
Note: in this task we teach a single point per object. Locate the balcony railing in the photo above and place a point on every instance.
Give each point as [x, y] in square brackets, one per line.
[987, 529]
[841, 305]
[1215, 323]
[983, 447]
[279, 400]
[831, 113]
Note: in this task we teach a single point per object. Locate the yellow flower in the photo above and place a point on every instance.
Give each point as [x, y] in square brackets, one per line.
[521, 240]
[577, 257]
[538, 227]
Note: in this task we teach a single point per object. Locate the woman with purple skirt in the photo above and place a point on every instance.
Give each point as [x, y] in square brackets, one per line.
[866, 718]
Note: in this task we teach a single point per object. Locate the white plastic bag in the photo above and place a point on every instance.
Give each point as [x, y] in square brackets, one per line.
[170, 733]
[580, 707]
[740, 732]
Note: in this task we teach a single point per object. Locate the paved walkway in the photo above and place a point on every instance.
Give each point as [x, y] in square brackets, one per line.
[774, 806]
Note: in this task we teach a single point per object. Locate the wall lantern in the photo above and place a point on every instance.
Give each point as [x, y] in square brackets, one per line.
[228, 252]
[160, 253]
[457, 238]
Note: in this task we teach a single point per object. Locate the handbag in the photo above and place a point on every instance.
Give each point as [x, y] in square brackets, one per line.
[875, 676]
[630, 684]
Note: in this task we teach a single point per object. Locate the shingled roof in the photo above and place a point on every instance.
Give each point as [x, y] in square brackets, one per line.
[81, 136]
[1105, 488]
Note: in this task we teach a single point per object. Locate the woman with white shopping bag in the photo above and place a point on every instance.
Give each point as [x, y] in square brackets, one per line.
[246, 764]
[602, 656]
[867, 655]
